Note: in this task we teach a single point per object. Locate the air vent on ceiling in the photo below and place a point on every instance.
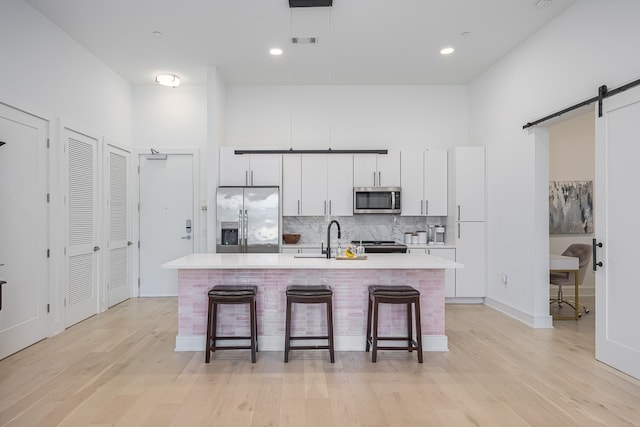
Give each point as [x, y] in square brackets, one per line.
[310, 3]
[304, 40]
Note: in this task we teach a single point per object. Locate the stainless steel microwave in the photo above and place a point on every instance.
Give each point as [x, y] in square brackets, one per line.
[372, 200]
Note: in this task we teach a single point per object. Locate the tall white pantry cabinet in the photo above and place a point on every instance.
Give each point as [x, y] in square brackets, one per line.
[467, 219]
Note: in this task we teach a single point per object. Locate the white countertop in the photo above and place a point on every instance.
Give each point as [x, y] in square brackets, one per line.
[291, 261]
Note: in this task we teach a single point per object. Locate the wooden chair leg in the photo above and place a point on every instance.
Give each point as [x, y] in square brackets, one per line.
[418, 329]
[330, 328]
[287, 331]
[409, 328]
[254, 329]
[368, 337]
[374, 337]
[207, 355]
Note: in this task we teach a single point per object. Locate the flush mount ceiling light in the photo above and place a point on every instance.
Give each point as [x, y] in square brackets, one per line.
[447, 51]
[170, 80]
[276, 51]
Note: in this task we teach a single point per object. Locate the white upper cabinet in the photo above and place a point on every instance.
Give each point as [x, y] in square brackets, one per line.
[467, 165]
[377, 170]
[435, 183]
[424, 182]
[248, 169]
[340, 184]
[325, 182]
[291, 184]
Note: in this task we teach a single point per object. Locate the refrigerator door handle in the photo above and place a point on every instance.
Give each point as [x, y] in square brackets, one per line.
[240, 230]
[246, 229]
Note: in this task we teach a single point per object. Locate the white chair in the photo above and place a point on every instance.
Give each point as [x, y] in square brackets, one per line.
[583, 253]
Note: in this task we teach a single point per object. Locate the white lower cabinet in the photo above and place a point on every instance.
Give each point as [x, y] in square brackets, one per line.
[470, 251]
[450, 274]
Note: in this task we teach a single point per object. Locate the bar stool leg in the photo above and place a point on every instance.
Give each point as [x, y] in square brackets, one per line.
[207, 356]
[418, 329]
[368, 337]
[287, 331]
[254, 331]
[330, 328]
[409, 328]
[374, 337]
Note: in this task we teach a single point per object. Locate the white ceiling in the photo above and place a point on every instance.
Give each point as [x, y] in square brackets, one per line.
[361, 42]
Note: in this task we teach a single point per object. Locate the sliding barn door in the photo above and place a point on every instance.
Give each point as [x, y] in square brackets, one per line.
[617, 228]
[82, 228]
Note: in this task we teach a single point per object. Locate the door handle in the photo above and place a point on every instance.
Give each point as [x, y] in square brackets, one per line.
[186, 237]
[593, 246]
[96, 248]
[129, 243]
[2, 282]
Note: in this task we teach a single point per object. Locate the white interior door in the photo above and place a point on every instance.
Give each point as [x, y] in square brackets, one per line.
[118, 260]
[166, 220]
[82, 237]
[23, 230]
[617, 228]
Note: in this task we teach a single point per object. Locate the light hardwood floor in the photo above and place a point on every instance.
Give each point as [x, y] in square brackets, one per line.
[119, 368]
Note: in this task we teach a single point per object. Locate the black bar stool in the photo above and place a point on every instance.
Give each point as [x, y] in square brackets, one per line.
[231, 294]
[311, 294]
[393, 295]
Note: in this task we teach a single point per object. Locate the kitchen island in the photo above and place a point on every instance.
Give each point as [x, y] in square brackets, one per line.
[272, 273]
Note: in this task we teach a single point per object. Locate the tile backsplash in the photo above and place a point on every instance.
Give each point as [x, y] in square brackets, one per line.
[313, 229]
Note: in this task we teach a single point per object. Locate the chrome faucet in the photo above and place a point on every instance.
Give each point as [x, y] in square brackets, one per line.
[329, 236]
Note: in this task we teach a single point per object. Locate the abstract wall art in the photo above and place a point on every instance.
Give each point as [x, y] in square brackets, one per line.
[570, 207]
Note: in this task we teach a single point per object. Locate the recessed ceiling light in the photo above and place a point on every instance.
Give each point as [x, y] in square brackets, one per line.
[466, 34]
[157, 33]
[543, 3]
[276, 51]
[447, 51]
[170, 80]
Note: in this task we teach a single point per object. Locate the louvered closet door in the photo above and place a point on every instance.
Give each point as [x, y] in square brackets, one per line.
[82, 202]
[118, 263]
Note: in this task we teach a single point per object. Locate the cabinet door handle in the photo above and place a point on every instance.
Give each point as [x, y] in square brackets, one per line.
[426, 207]
[251, 177]
[458, 230]
[298, 207]
[421, 207]
[246, 177]
[325, 207]
[380, 178]
[374, 179]
[330, 210]
[458, 212]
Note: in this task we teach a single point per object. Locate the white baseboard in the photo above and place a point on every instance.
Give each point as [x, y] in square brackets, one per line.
[458, 300]
[342, 343]
[542, 321]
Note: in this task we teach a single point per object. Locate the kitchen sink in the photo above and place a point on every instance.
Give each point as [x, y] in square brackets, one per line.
[310, 256]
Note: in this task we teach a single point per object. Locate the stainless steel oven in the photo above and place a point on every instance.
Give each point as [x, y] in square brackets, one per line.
[372, 200]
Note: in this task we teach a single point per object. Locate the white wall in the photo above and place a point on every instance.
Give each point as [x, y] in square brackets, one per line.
[341, 117]
[592, 43]
[174, 118]
[572, 158]
[46, 73]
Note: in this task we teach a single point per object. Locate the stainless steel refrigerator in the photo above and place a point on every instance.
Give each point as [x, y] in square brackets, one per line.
[248, 220]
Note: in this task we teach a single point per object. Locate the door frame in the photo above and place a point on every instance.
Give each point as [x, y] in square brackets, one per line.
[199, 206]
[104, 290]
